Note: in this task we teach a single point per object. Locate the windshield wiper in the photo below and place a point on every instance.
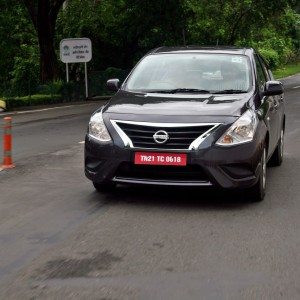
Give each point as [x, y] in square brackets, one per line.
[229, 92]
[182, 90]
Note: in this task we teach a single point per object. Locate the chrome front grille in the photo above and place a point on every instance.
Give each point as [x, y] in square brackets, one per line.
[181, 136]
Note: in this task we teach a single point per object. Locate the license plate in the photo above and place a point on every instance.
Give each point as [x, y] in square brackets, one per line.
[160, 159]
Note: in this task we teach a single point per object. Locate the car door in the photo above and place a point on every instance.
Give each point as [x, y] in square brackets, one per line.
[280, 109]
[271, 116]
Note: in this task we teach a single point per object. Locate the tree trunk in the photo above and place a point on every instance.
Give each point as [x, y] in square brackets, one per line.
[48, 66]
[45, 32]
[43, 14]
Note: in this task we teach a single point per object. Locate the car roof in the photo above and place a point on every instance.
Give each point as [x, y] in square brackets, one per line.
[204, 49]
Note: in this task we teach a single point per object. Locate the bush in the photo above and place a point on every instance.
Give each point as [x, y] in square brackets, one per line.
[271, 56]
[60, 91]
[32, 100]
[51, 88]
[69, 91]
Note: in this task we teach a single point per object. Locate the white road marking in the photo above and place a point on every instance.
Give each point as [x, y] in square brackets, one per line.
[81, 142]
[296, 87]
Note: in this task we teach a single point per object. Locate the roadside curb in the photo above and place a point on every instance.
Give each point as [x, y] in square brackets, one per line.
[40, 108]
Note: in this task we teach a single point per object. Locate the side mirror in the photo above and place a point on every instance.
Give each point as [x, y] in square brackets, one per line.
[273, 88]
[113, 84]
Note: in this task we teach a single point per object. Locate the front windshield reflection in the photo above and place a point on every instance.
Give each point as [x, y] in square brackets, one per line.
[191, 73]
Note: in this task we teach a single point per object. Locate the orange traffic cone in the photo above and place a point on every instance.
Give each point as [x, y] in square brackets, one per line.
[7, 145]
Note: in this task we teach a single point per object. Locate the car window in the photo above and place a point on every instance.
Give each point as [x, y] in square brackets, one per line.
[265, 68]
[261, 77]
[201, 71]
[269, 72]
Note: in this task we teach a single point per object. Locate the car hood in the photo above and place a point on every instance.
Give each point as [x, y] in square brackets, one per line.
[178, 104]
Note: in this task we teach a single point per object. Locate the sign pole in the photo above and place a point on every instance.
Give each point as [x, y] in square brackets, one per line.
[86, 81]
[67, 71]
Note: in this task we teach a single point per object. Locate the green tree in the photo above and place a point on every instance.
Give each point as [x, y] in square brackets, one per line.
[18, 49]
[43, 14]
[122, 31]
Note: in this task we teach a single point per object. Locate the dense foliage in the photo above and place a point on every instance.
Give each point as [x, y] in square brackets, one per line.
[124, 30]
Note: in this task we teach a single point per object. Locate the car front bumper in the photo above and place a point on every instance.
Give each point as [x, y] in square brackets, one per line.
[210, 165]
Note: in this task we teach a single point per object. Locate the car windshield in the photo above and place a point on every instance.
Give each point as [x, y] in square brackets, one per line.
[191, 73]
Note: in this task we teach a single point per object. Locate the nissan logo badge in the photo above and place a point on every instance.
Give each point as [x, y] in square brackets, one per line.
[160, 137]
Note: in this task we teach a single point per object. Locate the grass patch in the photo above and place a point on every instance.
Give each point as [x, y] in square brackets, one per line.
[287, 70]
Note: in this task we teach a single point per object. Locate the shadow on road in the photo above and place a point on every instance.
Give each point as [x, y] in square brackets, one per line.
[198, 198]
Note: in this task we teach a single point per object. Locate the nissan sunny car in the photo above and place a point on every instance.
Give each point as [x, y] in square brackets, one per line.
[190, 116]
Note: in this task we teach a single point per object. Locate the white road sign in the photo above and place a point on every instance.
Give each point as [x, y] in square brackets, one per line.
[76, 50]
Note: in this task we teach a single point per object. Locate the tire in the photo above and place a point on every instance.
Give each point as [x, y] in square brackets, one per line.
[104, 187]
[277, 157]
[258, 191]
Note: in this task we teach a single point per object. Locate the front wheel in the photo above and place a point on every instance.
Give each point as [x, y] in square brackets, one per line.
[104, 187]
[258, 191]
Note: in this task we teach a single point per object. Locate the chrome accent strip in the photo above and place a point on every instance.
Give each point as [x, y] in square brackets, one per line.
[126, 140]
[150, 124]
[162, 182]
[193, 146]
[196, 143]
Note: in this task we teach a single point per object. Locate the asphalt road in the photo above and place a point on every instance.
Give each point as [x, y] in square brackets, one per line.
[59, 239]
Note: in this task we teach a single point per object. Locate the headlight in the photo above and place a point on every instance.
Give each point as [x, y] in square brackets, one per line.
[241, 131]
[97, 128]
